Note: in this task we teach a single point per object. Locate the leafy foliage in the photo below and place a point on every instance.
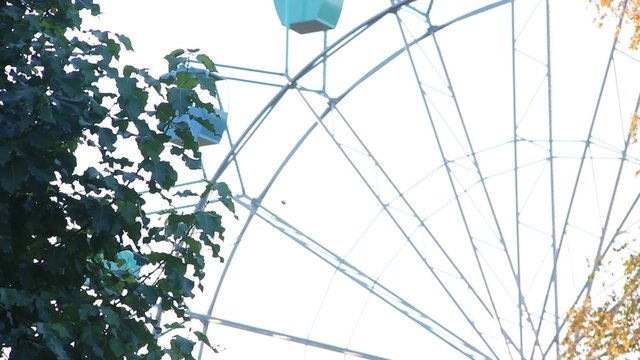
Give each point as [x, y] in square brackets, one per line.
[611, 329]
[614, 9]
[65, 288]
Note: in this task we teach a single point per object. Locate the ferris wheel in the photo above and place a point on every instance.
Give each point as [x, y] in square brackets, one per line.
[427, 180]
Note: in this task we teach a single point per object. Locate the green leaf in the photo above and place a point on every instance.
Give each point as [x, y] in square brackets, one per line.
[112, 318]
[183, 132]
[12, 297]
[132, 99]
[205, 121]
[128, 70]
[90, 5]
[182, 346]
[149, 294]
[194, 245]
[186, 193]
[87, 311]
[6, 247]
[207, 106]
[164, 174]
[174, 325]
[178, 230]
[103, 217]
[209, 222]
[207, 62]
[209, 84]
[203, 337]
[53, 342]
[176, 282]
[176, 150]
[114, 47]
[128, 210]
[186, 80]
[176, 52]
[193, 164]
[45, 112]
[164, 112]
[125, 41]
[107, 139]
[151, 147]
[228, 203]
[216, 252]
[223, 189]
[13, 174]
[181, 99]
[5, 153]
[174, 60]
[116, 346]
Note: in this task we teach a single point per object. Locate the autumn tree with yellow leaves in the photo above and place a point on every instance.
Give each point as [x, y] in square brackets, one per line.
[614, 9]
[610, 330]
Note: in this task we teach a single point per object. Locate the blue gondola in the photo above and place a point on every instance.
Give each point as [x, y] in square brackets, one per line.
[307, 16]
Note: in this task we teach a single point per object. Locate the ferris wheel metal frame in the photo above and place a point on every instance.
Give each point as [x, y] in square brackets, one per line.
[528, 321]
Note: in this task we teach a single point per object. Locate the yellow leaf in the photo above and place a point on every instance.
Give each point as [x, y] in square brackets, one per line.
[633, 129]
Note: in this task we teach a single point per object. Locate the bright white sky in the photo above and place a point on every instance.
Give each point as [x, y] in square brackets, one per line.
[277, 284]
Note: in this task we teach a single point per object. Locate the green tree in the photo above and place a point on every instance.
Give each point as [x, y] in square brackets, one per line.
[72, 237]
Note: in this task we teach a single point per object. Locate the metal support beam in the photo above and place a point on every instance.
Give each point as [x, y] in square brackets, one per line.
[287, 337]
